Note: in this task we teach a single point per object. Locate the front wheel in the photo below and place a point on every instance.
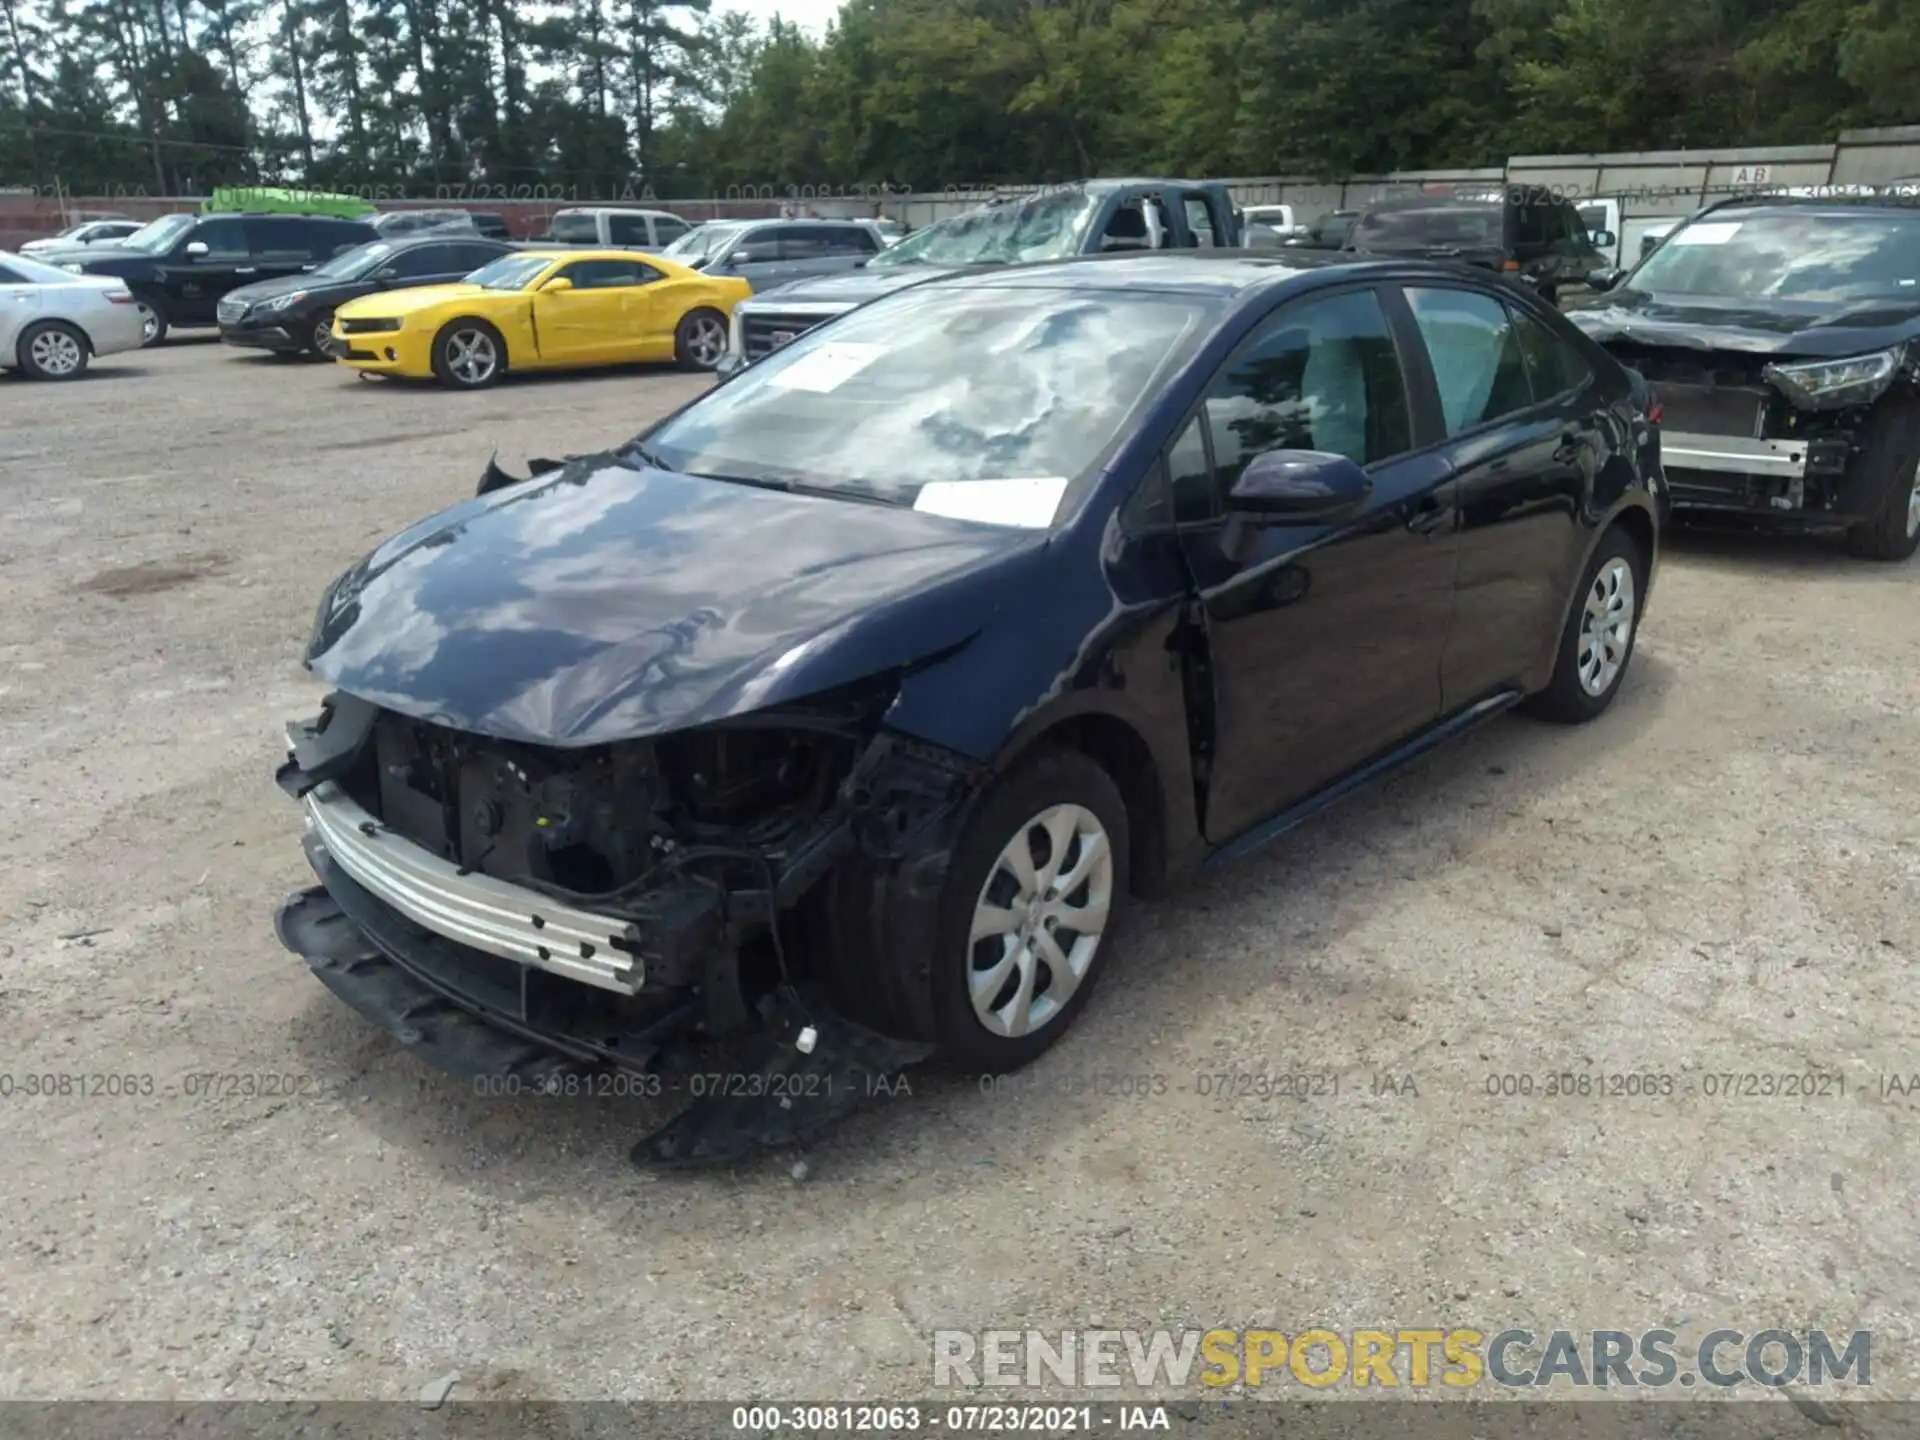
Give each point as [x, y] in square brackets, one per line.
[1891, 455]
[319, 334]
[1598, 639]
[53, 350]
[468, 355]
[153, 321]
[700, 340]
[1037, 882]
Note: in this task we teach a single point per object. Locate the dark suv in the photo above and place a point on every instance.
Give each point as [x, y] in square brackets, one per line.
[293, 314]
[1526, 233]
[180, 266]
[1782, 336]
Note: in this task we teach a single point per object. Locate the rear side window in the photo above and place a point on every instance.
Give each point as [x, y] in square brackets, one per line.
[1553, 366]
[628, 230]
[1475, 350]
[284, 241]
[1200, 222]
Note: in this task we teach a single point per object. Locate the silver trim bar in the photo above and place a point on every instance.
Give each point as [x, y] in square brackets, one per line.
[1777, 459]
[488, 914]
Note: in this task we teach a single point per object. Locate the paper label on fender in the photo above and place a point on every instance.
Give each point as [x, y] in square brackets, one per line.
[1717, 232]
[1027, 504]
[826, 366]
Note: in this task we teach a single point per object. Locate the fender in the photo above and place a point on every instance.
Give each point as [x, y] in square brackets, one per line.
[1540, 674]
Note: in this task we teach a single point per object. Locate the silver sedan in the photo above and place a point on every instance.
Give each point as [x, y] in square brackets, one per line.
[52, 322]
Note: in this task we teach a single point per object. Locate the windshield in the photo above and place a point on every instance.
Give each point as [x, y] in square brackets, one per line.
[1458, 227]
[1048, 226]
[159, 235]
[932, 390]
[704, 243]
[1788, 254]
[352, 264]
[510, 272]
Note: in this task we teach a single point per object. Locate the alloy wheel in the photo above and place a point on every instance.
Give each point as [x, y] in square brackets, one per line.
[1039, 919]
[1606, 627]
[706, 341]
[322, 333]
[1913, 502]
[149, 322]
[472, 356]
[56, 353]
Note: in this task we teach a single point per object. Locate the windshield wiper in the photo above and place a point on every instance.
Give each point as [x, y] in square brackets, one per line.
[857, 493]
[634, 449]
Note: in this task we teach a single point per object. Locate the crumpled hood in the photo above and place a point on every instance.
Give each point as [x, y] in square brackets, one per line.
[1815, 329]
[851, 287]
[601, 602]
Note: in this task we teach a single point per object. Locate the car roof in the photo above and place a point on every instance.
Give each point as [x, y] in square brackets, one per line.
[613, 210]
[1906, 200]
[571, 252]
[439, 237]
[1188, 272]
[1433, 202]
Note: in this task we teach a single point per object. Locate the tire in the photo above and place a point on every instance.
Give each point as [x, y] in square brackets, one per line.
[1612, 585]
[318, 329]
[694, 346]
[153, 319]
[468, 337]
[1893, 465]
[1051, 785]
[53, 350]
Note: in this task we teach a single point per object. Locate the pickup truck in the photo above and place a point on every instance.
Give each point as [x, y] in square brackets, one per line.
[1085, 217]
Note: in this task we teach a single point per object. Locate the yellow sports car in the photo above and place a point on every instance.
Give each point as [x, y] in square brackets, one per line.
[541, 310]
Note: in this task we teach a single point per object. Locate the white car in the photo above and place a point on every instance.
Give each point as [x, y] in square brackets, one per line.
[52, 322]
[88, 232]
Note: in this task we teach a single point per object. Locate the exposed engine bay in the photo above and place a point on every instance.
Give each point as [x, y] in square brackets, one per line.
[706, 842]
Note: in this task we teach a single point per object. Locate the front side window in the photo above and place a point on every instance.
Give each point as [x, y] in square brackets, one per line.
[945, 386]
[224, 239]
[1476, 355]
[1322, 375]
[511, 272]
[608, 274]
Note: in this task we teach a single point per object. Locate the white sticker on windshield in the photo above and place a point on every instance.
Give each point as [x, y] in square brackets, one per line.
[1027, 504]
[826, 367]
[1717, 232]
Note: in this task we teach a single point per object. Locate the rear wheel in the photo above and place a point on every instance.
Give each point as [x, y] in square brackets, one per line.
[700, 339]
[469, 354]
[1598, 639]
[1892, 461]
[53, 350]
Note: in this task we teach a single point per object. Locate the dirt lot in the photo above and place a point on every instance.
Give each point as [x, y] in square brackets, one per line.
[1719, 878]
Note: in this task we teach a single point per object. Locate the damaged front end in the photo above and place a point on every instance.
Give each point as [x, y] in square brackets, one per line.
[1750, 433]
[509, 909]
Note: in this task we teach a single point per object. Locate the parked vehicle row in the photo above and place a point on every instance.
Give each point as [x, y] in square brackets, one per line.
[53, 322]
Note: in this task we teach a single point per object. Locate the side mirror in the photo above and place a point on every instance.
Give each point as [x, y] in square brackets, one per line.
[386, 272]
[1605, 239]
[558, 284]
[196, 249]
[1297, 487]
[1606, 277]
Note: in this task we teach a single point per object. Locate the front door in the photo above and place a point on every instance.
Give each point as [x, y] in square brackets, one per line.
[1325, 639]
[210, 259]
[602, 318]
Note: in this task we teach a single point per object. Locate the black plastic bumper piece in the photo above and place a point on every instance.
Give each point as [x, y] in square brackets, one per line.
[765, 1095]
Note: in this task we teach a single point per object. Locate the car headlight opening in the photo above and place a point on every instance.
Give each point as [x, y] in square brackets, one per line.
[1831, 384]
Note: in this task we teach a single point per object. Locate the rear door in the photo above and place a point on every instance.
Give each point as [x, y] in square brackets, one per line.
[1325, 640]
[1521, 412]
[280, 245]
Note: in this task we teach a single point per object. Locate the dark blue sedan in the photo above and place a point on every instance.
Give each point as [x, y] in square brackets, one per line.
[843, 711]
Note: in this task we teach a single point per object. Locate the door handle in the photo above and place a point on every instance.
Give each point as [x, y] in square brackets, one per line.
[243, 269]
[1429, 516]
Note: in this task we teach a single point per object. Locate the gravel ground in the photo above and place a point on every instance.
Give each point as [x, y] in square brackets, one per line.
[1718, 878]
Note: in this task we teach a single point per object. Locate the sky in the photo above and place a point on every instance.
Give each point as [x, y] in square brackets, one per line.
[810, 15]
